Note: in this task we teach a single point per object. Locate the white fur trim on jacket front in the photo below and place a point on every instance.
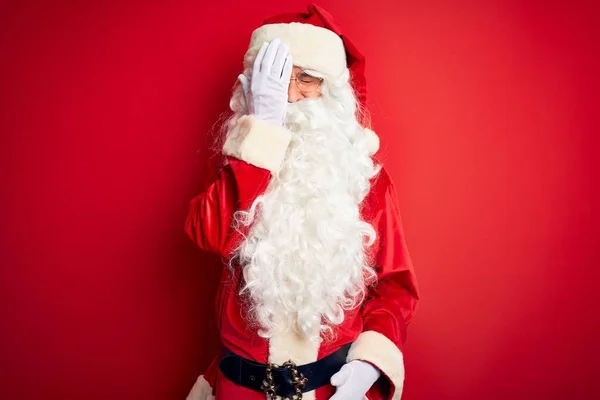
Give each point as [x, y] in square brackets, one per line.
[258, 143]
[286, 345]
[311, 47]
[380, 351]
[201, 390]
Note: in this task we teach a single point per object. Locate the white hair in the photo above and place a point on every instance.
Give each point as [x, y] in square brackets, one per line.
[304, 259]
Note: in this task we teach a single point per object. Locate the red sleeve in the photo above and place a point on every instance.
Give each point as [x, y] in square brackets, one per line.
[392, 301]
[210, 215]
[255, 149]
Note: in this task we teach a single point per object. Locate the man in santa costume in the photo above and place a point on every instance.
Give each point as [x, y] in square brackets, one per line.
[318, 288]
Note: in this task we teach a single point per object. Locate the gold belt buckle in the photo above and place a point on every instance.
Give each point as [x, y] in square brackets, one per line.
[298, 381]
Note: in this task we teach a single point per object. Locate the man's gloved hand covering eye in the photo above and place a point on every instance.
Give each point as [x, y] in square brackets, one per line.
[267, 91]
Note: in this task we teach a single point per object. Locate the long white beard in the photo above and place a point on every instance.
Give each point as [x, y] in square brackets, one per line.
[304, 260]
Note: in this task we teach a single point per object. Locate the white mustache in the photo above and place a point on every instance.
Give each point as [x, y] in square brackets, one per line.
[306, 113]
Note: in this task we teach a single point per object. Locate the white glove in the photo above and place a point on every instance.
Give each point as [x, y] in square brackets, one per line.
[267, 93]
[354, 380]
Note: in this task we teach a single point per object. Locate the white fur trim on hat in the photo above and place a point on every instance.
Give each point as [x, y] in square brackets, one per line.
[201, 390]
[372, 141]
[311, 47]
[258, 143]
[380, 351]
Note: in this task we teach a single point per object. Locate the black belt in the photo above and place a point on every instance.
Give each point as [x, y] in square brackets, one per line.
[284, 380]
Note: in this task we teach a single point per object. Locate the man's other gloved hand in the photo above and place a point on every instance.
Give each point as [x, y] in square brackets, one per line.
[354, 380]
[267, 91]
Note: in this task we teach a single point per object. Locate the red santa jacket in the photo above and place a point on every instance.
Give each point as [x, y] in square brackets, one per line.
[377, 329]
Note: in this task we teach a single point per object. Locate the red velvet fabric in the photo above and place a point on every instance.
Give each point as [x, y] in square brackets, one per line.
[388, 308]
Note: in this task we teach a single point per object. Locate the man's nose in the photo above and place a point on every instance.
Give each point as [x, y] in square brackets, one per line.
[294, 93]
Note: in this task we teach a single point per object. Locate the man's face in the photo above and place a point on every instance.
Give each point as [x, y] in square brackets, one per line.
[303, 85]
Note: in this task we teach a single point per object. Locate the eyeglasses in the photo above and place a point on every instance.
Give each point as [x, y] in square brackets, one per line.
[307, 84]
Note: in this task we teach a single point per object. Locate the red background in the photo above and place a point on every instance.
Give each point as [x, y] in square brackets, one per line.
[487, 113]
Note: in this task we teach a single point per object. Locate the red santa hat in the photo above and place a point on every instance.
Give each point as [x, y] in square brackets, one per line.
[316, 42]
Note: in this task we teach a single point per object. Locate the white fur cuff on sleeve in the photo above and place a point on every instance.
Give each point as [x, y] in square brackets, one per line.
[380, 351]
[201, 390]
[258, 143]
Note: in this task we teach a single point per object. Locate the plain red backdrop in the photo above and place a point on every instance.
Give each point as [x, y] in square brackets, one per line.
[488, 116]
